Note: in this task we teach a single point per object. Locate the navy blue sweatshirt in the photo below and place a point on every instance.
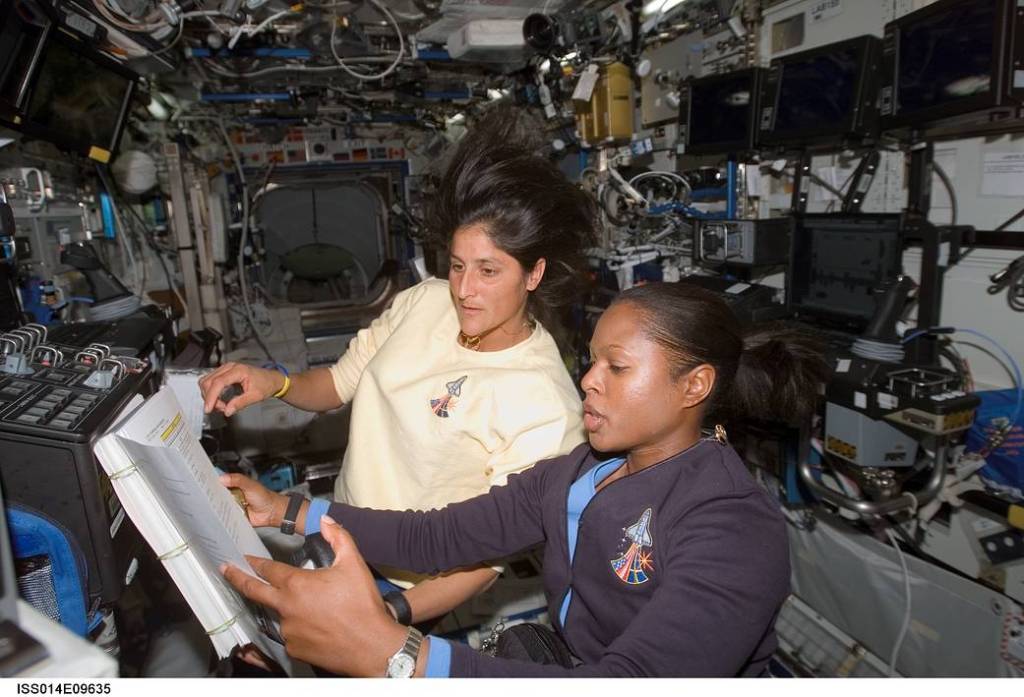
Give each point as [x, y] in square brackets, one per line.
[677, 570]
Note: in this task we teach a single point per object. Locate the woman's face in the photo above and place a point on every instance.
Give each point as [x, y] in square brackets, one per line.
[489, 289]
[632, 403]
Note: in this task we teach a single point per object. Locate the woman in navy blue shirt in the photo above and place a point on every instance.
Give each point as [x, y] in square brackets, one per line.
[662, 555]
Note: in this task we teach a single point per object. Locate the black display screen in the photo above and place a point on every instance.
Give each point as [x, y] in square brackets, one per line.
[23, 26]
[946, 57]
[720, 111]
[838, 265]
[818, 92]
[77, 99]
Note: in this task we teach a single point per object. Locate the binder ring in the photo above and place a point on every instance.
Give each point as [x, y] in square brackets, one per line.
[223, 627]
[122, 473]
[177, 551]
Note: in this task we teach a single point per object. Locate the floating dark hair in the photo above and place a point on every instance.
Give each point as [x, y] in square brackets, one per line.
[765, 372]
[497, 178]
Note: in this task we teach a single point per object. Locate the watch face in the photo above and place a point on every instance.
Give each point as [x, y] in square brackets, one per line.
[401, 665]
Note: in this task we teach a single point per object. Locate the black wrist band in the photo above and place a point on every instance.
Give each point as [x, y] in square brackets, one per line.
[291, 513]
[403, 611]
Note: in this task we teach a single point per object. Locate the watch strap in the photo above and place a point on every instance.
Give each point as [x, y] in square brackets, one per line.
[291, 513]
[403, 611]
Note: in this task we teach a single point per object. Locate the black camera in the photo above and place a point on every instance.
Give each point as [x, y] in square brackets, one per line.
[562, 32]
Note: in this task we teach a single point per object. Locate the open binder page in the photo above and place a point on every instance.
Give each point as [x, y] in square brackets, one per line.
[161, 446]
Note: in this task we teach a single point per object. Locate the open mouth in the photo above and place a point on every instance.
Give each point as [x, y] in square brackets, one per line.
[592, 419]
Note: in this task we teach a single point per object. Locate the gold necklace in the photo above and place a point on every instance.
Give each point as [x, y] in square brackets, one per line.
[470, 342]
[473, 342]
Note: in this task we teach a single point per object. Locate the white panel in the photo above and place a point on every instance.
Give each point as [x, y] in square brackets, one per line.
[670, 63]
[854, 18]
[856, 582]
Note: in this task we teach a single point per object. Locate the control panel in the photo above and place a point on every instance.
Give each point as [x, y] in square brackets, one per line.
[55, 399]
[59, 391]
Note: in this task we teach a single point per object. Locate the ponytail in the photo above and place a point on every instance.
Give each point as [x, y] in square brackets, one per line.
[777, 377]
[768, 372]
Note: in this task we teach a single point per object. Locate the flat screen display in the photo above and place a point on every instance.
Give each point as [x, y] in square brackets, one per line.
[77, 99]
[23, 27]
[720, 110]
[838, 265]
[818, 92]
[946, 57]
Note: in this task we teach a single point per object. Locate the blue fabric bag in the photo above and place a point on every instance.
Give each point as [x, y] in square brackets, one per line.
[56, 583]
[1004, 470]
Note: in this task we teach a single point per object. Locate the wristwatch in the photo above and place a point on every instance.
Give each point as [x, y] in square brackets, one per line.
[291, 513]
[398, 603]
[403, 663]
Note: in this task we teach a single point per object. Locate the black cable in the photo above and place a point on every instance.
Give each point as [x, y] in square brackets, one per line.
[1011, 220]
[825, 185]
[909, 541]
[846, 183]
[828, 187]
[949, 189]
[1010, 279]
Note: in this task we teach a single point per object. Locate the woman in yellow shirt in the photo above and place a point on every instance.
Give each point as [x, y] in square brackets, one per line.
[461, 371]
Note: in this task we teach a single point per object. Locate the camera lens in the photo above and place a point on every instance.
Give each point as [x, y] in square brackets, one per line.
[540, 32]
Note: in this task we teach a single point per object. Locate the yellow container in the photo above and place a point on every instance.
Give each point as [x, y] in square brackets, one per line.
[616, 96]
[608, 116]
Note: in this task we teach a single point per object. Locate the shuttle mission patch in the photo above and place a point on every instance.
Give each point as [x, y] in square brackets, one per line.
[635, 564]
[446, 403]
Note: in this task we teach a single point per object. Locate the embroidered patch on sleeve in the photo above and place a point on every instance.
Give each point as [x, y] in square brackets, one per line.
[634, 565]
[446, 403]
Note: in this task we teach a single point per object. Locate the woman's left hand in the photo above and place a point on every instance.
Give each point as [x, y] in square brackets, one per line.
[263, 507]
[333, 618]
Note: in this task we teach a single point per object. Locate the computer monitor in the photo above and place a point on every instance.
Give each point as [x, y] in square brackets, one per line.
[838, 263]
[952, 58]
[826, 95]
[79, 99]
[719, 112]
[24, 27]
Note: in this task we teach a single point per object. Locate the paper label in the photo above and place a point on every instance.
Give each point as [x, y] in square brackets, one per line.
[888, 401]
[737, 288]
[825, 9]
[585, 85]
[860, 400]
[843, 365]
[1003, 174]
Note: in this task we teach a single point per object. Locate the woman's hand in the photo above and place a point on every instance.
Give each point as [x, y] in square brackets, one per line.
[265, 508]
[257, 384]
[334, 617]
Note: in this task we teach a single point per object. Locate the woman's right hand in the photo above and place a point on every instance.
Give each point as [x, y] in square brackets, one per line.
[265, 508]
[257, 384]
